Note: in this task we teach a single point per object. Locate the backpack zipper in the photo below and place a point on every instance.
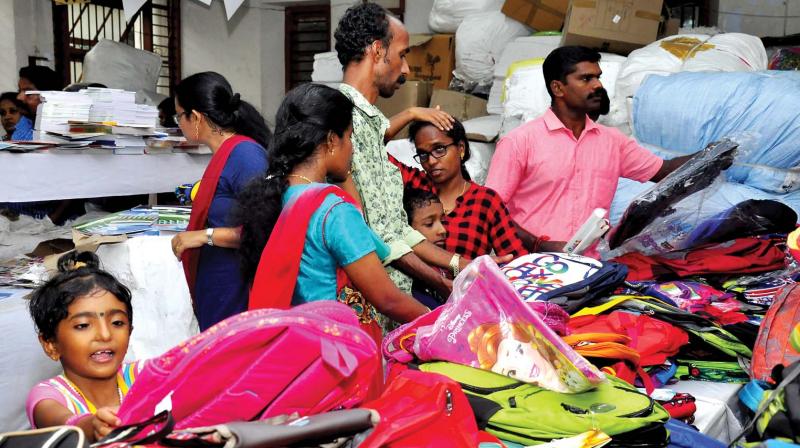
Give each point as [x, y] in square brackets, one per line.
[644, 412]
[489, 390]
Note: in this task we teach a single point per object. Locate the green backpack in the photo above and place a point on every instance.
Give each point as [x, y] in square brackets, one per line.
[524, 413]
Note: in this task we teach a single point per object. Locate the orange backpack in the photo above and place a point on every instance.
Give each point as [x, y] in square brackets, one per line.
[651, 339]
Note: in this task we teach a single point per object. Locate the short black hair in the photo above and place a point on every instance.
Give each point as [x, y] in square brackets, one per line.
[563, 61]
[416, 198]
[44, 78]
[457, 133]
[79, 275]
[360, 26]
[12, 96]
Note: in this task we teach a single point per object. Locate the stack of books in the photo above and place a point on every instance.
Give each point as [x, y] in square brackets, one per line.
[58, 108]
[119, 107]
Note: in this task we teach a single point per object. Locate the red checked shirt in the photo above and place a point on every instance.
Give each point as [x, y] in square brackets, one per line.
[478, 224]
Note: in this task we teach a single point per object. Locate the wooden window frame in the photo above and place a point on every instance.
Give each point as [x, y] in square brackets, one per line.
[65, 53]
[289, 13]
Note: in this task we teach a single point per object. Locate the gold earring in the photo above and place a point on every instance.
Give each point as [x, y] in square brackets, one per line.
[196, 130]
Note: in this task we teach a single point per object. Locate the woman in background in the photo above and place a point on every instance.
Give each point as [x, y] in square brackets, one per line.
[210, 113]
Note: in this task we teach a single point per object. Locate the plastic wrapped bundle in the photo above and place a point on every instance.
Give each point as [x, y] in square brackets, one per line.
[120, 66]
[519, 49]
[731, 52]
[447, 15]
[695, 175]
[686, 111]
[705, 217]
[480, 41]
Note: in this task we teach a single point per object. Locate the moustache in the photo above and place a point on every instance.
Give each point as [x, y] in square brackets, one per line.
[599, 93]
[401, 80]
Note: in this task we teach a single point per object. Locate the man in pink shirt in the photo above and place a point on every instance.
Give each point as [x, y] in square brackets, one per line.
[552, 172]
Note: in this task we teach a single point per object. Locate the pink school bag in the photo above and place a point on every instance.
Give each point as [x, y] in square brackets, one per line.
[312, 358]
[485, 324]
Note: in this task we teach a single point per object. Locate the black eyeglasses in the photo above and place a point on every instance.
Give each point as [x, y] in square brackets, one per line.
[437, 152]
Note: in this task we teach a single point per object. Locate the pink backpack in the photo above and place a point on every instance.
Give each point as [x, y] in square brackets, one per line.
[312, 358]
[485, 324]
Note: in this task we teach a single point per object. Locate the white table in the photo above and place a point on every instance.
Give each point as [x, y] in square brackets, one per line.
[719, 414]
[48, 175]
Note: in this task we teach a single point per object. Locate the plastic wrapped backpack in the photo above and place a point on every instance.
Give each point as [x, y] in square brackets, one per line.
[485, 324]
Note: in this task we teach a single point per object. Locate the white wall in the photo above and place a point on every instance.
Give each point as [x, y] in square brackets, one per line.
[248, 50]
[416, 16]
[33, 31]
[338, 7]
[273, 74]
[8, 50]
[758, 17]
[232, 48]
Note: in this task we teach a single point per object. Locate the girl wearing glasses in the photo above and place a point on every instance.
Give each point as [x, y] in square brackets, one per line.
[209, 113]
[476, 219]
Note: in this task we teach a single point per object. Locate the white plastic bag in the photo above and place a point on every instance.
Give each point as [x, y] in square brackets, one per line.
[480, 41]
[446, 15]
[327, 68]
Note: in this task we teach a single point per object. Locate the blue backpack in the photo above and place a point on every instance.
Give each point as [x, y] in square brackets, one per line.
[570, 281]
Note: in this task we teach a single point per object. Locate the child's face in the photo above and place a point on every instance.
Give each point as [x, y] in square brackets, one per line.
[427, 220]
[92, 340]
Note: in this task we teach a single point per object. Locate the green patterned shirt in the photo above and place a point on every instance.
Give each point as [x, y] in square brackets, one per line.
[380, 184]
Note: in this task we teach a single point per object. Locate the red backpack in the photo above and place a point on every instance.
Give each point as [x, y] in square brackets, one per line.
[654, 340]
[422, 409]
[259, 364]
[773, 344]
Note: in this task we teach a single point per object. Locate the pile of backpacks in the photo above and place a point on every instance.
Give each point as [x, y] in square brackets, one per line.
[550, 349]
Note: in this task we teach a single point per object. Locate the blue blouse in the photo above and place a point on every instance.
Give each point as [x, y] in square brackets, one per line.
[337, 236]
[220, 290]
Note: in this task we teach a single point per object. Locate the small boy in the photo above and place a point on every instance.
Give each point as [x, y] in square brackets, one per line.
[425, 212]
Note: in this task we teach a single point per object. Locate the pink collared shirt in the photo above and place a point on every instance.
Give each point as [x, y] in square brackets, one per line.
[552, 181]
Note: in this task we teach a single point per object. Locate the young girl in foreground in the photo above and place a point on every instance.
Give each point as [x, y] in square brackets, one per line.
[83, 316]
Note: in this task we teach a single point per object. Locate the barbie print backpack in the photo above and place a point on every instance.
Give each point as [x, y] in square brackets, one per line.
[310, 359]
[485, 324]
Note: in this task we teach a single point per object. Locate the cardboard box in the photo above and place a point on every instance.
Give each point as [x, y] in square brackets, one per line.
[616, 26]
[432, 58]
[412, 93]
[460, 105]
[541, 15]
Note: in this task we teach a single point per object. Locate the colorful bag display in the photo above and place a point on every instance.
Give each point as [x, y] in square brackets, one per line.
[705, 333]
[259, 364]
[485, 324]
[564, 279]
[773, 346]
[527, 414]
